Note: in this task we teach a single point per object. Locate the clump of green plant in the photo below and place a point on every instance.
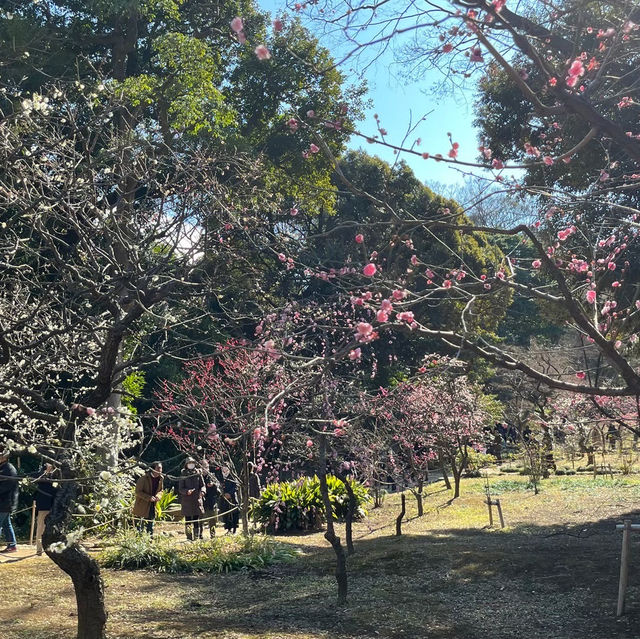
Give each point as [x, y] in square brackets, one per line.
[509, 486]
[167, 498]
[297, 505]
[133, 551]
[476, 461]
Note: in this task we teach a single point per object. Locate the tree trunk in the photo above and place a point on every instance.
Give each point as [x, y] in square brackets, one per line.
[351, 511]
[74, 560]
[457, 476]
[403, 510]
[330, 534]
[244, 489]
[418, 495]
[445, 476]
[89, 590]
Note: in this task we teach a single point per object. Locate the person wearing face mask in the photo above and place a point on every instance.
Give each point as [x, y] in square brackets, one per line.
[192, 490]
[148, 492]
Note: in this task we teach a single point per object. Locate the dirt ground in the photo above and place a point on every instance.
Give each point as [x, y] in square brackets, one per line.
[553, 572]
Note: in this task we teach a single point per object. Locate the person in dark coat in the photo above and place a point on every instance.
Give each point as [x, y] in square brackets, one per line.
[149, 489]
[210, 499]
[46, 490]
[192, 490]
[8, 500]
[229, 502]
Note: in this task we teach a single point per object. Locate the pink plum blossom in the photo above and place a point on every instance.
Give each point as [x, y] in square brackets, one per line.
[262, 52]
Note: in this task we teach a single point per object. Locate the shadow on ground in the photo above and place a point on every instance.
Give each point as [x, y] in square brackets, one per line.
[526, 582]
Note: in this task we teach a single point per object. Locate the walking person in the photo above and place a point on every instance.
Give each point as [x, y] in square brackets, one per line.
[229, 502]
[210, 499]
[148, 492]
[46, 490]
[192, 489]
[8, 501]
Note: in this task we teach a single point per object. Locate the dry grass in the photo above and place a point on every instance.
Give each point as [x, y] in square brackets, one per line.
[551, 573]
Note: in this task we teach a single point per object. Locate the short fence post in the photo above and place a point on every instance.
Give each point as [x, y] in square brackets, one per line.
[490, 512]
[624, 566]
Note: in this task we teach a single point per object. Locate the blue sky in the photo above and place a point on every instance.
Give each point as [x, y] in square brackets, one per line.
[398, 103]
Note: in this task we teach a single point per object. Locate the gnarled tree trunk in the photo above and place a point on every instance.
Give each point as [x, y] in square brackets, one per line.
[74, 560]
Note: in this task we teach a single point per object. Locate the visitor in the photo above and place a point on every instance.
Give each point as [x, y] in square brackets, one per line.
[229, 502]
[8, 500]
[148, 491]
[46, 490]
[210, 499]
[192, 490]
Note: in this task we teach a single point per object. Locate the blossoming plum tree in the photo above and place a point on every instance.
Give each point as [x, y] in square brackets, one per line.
[571, 75]
[228, 409]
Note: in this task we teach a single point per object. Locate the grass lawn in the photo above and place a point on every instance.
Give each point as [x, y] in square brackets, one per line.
[552, 573]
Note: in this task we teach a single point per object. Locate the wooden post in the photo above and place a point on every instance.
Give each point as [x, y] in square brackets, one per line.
[490, 512]
[33, 522]
[624, 567]
[500, 513]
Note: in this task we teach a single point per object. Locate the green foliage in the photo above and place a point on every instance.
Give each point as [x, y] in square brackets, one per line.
[135, 551]
[167, 498]
[132, 387]
[476, 461]
[297, 505]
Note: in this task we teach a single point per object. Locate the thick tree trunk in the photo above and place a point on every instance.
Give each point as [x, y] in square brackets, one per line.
[89, 590]
[403, 511]
[330, 534]
[74, 560]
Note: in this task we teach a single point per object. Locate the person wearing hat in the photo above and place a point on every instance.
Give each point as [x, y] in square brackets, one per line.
[192, 490]
[8, 500]
[148, 492]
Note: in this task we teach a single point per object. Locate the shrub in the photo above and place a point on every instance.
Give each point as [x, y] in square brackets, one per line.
[477, 461]
[135, 551]
[297, 505]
